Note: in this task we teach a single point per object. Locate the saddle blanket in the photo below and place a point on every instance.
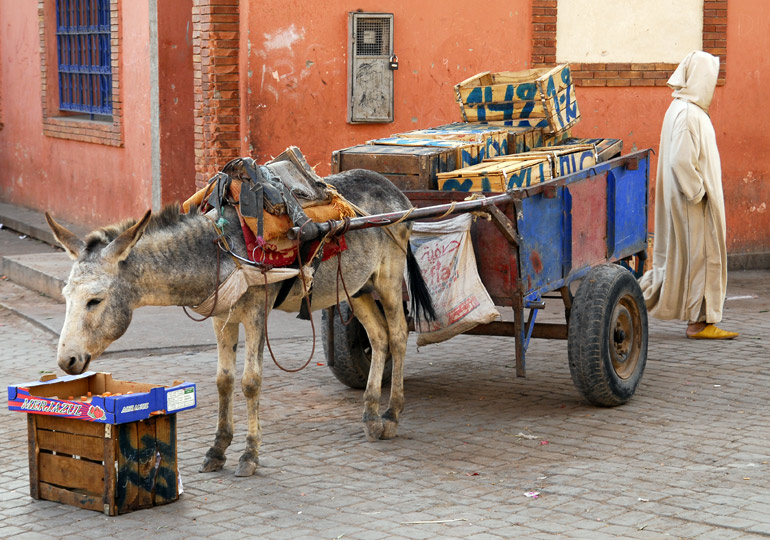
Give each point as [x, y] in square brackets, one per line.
[274, 248]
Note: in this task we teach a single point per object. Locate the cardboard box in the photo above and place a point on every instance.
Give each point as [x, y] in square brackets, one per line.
[539, 97]
[408, 167]
[114, 453]
[497, 175]
[97, 397]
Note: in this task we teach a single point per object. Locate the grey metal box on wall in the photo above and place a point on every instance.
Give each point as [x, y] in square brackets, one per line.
[370, 75]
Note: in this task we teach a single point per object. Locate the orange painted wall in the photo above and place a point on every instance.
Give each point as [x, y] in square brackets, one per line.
[740, 115]
[297, 64]
[294, 70]
[80, 182]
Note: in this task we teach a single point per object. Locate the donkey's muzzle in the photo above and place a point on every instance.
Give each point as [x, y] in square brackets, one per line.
[74, 365]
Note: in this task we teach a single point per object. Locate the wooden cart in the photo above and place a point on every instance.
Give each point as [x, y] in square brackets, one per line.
[589, 228]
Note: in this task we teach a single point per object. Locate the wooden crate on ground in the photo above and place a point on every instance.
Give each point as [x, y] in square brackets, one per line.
[110, 468]
[467, 152]
[499, 174]
[539, 97]
[495, 141]
[102, 444]
[408, 167]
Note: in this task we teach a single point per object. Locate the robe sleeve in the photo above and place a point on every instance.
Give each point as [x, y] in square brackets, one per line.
[685, 147]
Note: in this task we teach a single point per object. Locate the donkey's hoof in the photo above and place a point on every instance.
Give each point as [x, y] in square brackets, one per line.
[215, 460]
[247, 465]
[212, 465]
[390, 425]
[373, 429]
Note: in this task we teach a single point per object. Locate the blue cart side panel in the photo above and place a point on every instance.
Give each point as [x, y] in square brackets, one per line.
[627, 210]
[542, 252]
[553, 238]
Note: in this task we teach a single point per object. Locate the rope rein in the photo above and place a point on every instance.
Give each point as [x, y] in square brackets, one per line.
[307, 303]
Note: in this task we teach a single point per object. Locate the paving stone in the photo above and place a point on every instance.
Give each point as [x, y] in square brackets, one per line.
[681, 443]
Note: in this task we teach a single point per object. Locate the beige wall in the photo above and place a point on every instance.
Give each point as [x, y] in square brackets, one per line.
[628, 30]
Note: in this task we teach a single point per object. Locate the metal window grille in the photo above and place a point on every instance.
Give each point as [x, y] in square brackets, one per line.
[372, 36]
[83, 46]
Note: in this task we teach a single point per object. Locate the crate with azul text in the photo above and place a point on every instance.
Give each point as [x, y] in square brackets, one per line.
[539, 97]
[102, 444]
[408, 167]
[498, 174]
[495, 140]
[564, 159]
[519, 139]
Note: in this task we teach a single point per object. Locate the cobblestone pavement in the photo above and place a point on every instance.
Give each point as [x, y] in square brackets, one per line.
[687, 457]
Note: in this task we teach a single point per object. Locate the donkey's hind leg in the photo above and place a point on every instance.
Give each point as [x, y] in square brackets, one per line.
[367, 312]
[388, 286]
[227, 342]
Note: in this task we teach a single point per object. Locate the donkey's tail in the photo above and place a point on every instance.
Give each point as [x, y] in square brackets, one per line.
[422, 304]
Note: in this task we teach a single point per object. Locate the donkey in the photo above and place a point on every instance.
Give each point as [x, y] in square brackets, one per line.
[173, 259]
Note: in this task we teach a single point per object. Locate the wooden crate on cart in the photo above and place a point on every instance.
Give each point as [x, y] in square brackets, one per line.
[494, 140]
[467, 152]
[538, 97]
[408, 167]
[499, 174]
[565, 159]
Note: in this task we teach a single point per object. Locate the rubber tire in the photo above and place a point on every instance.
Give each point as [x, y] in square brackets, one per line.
[352, 353]
[608, 292]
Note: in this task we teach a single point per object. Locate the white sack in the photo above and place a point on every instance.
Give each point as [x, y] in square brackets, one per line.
[445, 254]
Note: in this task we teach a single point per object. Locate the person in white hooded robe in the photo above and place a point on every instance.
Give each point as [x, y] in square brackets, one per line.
[688, 280]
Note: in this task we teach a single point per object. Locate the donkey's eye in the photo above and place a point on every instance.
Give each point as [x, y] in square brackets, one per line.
[93, 303]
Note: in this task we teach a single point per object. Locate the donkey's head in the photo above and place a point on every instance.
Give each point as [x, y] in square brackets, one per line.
[98, 295]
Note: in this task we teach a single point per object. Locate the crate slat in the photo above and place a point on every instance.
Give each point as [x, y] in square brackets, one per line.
[73, 473]
[166, 487]
[81, 500]
[67, 443]
[69, 425]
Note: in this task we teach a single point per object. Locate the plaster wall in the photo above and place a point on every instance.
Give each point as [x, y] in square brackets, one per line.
[296, 58]
[82, 182]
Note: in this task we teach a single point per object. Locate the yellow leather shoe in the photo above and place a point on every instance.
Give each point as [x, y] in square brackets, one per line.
[712, 331]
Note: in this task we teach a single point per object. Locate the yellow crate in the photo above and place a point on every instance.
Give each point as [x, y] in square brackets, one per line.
[539, 97]
[499, 174]
[564, 160]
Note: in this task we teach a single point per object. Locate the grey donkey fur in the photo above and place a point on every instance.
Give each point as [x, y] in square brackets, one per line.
[171, 258]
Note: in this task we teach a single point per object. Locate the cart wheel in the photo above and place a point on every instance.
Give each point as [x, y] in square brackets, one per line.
[607, 336]
[352, 352]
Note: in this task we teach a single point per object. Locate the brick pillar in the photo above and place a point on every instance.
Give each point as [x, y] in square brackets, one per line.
[544, 32]
[217, 99]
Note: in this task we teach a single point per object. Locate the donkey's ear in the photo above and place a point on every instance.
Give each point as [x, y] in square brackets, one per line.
[118, 249]
[68, 240]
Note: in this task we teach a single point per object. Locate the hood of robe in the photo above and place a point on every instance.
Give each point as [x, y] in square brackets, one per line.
[695, 79]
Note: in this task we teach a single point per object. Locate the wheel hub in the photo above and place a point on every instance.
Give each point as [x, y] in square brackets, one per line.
[626, 337]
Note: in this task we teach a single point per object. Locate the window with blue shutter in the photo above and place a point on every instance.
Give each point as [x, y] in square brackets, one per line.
[83, 47]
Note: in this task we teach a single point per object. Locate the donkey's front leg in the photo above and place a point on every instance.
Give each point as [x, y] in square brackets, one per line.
[227, 343]
[251, 384]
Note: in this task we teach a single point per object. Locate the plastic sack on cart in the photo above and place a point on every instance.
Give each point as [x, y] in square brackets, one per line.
[445, 254]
